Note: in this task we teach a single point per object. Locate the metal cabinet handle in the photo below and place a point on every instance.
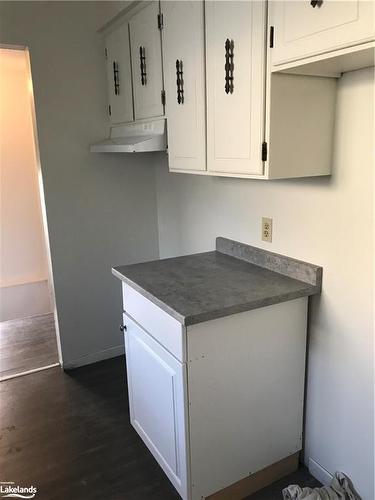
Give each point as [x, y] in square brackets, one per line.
[180, 81]
[142, 63]
[123, 328]
[116, 80]
[316, 3]
[229, 66]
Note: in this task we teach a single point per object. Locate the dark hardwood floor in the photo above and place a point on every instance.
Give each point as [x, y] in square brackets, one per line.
[26, 344]
[69, 435]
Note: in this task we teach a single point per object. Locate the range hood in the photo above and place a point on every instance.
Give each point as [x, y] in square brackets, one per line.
[134, 138]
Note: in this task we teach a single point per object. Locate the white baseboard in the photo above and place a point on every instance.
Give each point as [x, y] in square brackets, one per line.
[319, 472]
[24, 300]
[88, 359]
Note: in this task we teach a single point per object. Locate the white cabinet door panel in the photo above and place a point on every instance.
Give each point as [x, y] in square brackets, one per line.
[145, 37]
[183, 42]
[302, 30]
[157, 392]
[235, 120]
[119, 78]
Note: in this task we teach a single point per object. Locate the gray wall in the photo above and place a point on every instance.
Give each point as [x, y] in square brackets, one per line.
[327, 221]
[101, 209]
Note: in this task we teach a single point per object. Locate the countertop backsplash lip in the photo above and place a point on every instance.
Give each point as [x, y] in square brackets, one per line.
[287, 266]
[200, 287]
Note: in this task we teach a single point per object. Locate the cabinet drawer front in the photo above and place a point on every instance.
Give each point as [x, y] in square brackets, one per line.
[332, 25]
[157, 398]
[160, 325]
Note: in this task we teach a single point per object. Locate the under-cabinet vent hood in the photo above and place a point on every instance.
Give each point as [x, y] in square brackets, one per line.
[134, 138]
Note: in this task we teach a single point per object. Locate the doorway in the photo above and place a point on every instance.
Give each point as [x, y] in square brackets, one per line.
[29, 338]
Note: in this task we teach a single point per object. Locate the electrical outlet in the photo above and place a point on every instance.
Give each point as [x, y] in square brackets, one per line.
[267, 229]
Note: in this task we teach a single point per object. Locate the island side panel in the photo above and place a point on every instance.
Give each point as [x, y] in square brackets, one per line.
[246, 389]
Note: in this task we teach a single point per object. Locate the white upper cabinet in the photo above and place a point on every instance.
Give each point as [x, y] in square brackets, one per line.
[307, 28]
[146, 62]
[184, 80]
[239, 102]
[120, 98]
[235, 72]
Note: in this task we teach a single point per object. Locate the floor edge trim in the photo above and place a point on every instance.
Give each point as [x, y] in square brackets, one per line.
[28, 372]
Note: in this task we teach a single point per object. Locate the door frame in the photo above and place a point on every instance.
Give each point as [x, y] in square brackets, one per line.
[41, 196]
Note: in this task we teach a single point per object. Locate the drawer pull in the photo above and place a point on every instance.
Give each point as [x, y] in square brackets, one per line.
[123, 328]
[316, 3]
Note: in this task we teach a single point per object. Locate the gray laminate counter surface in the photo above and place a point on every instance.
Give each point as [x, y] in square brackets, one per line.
[201, 287]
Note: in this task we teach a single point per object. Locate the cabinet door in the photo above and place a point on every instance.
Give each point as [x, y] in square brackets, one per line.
[184, 78]
[235, 53]
[119, 78]
[302, 30]
[157, 399]
[146, 62]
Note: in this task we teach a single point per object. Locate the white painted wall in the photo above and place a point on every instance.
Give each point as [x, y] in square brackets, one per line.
[327, 221]
[24, 275]
[101, 209]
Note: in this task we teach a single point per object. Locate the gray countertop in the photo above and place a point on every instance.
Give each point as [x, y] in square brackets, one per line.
[234, 278]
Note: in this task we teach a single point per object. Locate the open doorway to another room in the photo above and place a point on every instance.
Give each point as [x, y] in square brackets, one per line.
[28, 322]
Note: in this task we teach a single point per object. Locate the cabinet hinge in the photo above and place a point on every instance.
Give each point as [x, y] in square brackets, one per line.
[106, 53]
[160, 21]
[264, 151]
[162, 94]
[109, 110]
[272, 36]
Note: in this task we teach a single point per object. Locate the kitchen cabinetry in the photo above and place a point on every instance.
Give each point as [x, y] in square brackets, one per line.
[191, 400]
[308, 28]
[300, 124]
[184, 79]
[146, 55]
[215, 350]
[245, 96]
[157, 392]
[235, 62]
[119, 82]
[256, 125]
[134, 65]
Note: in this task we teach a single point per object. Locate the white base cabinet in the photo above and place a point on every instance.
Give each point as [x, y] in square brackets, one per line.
[228, 405]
